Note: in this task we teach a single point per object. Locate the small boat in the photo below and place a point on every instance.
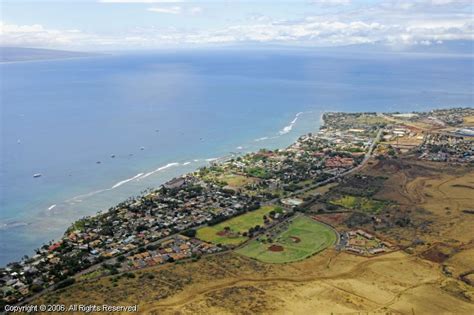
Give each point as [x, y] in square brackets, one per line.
[98, 162]
[37, 175]
[142, 148]
[112, 156]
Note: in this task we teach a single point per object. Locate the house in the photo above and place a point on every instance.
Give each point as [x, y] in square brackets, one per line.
[175, 183]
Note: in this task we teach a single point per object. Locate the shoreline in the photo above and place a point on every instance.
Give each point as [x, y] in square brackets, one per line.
[52, 59]
[14, 223]
[169, 211]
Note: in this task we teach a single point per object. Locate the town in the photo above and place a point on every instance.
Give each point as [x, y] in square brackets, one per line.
[165, 225]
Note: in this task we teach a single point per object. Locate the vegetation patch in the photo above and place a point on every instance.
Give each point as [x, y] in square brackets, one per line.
[258, 172]
[237, 181]
[298, 240]
[359, 203]
[234, 231]
[360, 185]
[439, 253]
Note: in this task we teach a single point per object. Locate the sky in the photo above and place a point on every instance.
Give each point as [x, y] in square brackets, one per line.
[90, 25]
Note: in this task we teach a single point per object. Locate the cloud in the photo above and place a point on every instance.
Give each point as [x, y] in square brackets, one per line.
[195, 10]
[37, 36]
[166, 10]
[390, 23]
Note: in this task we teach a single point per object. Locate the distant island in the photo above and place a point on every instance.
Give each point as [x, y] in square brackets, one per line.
[17, 54]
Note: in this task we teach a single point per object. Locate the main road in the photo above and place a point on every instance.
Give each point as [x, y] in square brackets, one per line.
[350, 171]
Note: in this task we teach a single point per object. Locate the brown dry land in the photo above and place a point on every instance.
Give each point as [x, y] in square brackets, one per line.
[406, 143]
[469, 121]
[429, 275]
[330, 283]
[434, 195]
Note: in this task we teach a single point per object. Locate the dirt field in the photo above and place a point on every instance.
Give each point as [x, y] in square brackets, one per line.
[329, 283]
[434, 195]
[469, 121]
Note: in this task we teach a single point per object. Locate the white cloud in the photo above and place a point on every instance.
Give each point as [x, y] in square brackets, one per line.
[37, 35]
[387, 23]
[195, 10]
[166, 10]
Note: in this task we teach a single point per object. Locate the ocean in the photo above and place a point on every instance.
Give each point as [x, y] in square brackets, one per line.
[101, 129]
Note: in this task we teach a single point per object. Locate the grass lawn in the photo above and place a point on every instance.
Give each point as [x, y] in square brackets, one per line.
[371, 120]
[239, 224]
[360, 203]
[236, 180]
[257, 172]
[319, 190]
[313, 237]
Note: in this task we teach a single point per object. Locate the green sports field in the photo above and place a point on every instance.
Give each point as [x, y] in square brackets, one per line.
[302, 238]
[239, 224]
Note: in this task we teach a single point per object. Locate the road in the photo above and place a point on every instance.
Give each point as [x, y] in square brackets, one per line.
[352, 170]
[322, 183]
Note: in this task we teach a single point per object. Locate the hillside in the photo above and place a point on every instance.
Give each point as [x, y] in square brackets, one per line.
[15, 54]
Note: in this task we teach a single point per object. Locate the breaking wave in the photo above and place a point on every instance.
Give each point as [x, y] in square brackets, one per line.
[288, 128]
[159, 169]
[126, 181]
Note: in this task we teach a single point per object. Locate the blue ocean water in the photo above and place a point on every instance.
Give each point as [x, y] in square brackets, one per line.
[166, 113]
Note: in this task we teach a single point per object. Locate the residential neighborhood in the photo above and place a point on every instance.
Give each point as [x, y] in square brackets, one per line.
[160, 225]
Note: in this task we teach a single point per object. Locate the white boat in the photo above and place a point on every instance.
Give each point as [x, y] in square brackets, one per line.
[37, 175]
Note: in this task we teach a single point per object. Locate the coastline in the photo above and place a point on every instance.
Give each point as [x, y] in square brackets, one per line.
[263, 109]
[56, 209]
[179, 209]
[92, 55]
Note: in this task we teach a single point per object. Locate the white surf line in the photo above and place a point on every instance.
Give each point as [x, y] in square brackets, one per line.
[126, 181]
[288, 128]
[79, 198]
[158, 170]
[261, 139]
[138, 177]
